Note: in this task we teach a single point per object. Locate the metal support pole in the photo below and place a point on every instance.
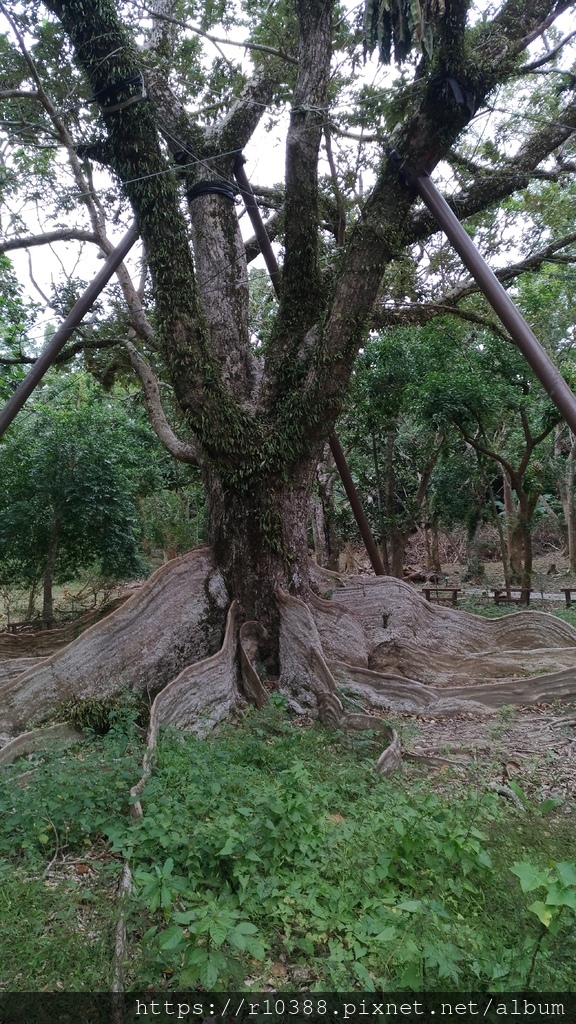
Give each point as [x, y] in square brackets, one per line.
[335, 446]
[352, 493]
[74, 318]
[257, 223]
[522, 335]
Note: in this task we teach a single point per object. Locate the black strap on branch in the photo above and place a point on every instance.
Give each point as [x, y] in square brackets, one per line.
[107, 98]
[217, 188]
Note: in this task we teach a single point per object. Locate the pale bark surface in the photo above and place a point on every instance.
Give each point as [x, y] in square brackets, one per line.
[175, 619]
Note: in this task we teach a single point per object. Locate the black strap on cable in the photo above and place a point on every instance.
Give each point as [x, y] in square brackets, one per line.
[217, 188]
[108, 100]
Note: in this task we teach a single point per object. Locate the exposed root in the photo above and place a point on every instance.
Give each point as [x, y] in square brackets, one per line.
[202, 695]
[508, 793]
[14, 667]
[305, 674]
[300, 648]
[39, 739]
[376, 638]
[439, 646]
[252, 634]
[175, 619]
[44, 642]
[120, 946]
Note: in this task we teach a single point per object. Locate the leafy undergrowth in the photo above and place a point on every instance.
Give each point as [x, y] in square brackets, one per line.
[57, 873]
[271, 855]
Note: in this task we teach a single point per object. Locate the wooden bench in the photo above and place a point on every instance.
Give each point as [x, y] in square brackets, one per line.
[444, 591]
[568, 591]
[28, 624]
[514, 597]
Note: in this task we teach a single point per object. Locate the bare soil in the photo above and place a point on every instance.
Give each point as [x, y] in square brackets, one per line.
[534, 747]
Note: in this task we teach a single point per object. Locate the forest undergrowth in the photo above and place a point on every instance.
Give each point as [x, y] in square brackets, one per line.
[271, 856]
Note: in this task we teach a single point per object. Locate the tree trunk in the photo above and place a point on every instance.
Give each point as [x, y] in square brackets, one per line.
[435, 547]
[398, 540]
[47, 600]
[503, 546]
[525, 533]
[259, 539]
[326, 475]
[513, 534]
[568, 503]
[30, 612]
[381, 503]
[319, 531]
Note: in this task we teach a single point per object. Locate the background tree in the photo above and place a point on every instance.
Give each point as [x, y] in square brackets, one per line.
[70, 477]
[394, 450]
[489, 383]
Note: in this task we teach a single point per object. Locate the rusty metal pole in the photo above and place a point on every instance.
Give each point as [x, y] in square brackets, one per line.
[352, 493]
[522, 335]
[335, 446]
[57, 342]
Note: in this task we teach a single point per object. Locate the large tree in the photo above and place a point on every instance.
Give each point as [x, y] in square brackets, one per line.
[255, 417]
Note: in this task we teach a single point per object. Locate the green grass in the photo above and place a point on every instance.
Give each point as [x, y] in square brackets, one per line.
[272, 855]
[55, 934]
[57, 876]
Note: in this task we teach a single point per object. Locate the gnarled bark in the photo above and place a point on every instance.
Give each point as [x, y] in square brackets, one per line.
[175, 619]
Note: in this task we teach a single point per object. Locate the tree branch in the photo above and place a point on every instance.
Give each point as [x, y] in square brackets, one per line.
[240, 123]
[87, 195]
[491, 189]
[106, 53]
[527, 68]
[418, 314]
[18, 94]
[301, 279]
[488, 452]
[62, 235]
[245, 45]
[178, 449]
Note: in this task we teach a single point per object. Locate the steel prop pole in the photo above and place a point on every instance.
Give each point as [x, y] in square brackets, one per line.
[69, 325]
[359, 515]
[335, 446]
[522, 335]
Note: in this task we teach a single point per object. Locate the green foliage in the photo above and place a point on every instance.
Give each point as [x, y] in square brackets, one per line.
[70, 475]
[403, 24]
[99, 715]
[15, 319]
[559, 884]
[57, 928]
[251, 848]
[57, 934]
[271, 844]
[174, 516]
[556, 911]
[72, 799]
